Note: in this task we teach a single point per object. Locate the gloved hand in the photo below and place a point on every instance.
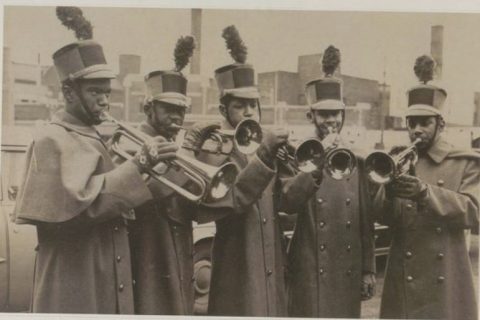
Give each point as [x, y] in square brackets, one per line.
[153, 151]
[410, 186]
[368, 286]
[272, 141]
[197, 134]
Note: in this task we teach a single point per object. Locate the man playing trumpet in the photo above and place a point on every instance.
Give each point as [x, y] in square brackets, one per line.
[331, 254]
[75, 196]
[429, 275]
[161, 237]
[248, 264]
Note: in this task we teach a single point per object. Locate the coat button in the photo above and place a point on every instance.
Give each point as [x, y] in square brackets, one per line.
[264, 220]
[409, 207]
[439, 230]
[322, 224]
[408, 254]
[322, 247]
[121, 287]
[440, 182]
[349, 272]
[440, 279]
[269, 272]
[440, 256]
[409, 279]
[349, 248]
[116, 229]
[349, 224]
[319, 201]
[321, 271]
[174, 227]
[348, 202]
[119, 258]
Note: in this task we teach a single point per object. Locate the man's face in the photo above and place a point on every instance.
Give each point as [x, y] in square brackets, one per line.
[324, 119]
[162, 115]
[239, 109]
[425, 128]
[96, 98]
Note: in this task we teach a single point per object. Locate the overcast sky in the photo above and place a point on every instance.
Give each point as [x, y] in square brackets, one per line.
[370, 42]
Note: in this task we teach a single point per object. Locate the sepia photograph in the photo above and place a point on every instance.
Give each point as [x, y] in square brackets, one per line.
[239, 160]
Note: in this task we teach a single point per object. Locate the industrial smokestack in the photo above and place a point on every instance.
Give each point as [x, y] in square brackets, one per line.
[197, 33]
[436, 49]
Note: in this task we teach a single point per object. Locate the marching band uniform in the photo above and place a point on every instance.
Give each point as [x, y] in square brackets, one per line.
[248, 257]
[79, 201]
[429, 272]
[161, 237]
[332, 245]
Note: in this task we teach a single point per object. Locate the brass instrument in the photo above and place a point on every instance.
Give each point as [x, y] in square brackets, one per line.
[308, 155]
[213, 182]
[245, 139]
[382, 167]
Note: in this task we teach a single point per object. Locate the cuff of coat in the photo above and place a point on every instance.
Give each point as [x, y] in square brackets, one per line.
[127, 183]
[256, 176]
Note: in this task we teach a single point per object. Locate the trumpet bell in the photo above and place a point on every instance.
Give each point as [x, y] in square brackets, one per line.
[248, 136]
[340, 163]
[380, 167]
[309, 155]
[221, 181]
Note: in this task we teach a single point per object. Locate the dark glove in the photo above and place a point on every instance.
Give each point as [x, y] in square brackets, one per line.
[153, 151]
[197, 134]
[368, 286]
[272, 141]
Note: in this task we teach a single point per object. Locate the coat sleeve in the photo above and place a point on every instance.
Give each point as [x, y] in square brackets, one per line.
[385, 211]
[367, 226]
[295, 191]
[62, 184]
[458, 209]
[246, 190]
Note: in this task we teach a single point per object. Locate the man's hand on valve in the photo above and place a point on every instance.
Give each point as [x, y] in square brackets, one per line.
[153, 151]
[272, 142]
[196, 135]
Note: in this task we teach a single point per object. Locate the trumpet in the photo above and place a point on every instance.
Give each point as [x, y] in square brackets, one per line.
[212, 182]
[244, 137]
[308, 155]
[382, 167]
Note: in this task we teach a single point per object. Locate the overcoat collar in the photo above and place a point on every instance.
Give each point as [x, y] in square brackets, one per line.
[440, 149]
[72, 123]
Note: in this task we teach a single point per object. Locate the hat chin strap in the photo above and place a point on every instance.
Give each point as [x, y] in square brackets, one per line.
[90, 114]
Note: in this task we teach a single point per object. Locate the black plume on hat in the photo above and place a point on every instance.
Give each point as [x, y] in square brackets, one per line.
[183, 52]
[73, 19]
[235, 44]
[424, 66]
[331, 60]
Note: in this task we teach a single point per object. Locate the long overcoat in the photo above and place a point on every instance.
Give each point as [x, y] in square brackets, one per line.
[79, 203]
[429, 273]
[162, 249]
[249, 252]
[332, 245]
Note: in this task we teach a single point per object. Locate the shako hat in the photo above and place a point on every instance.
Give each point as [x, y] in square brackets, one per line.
[170, 86]
[425, 99]
[236, 79]
[326, 93]
[83, 59]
